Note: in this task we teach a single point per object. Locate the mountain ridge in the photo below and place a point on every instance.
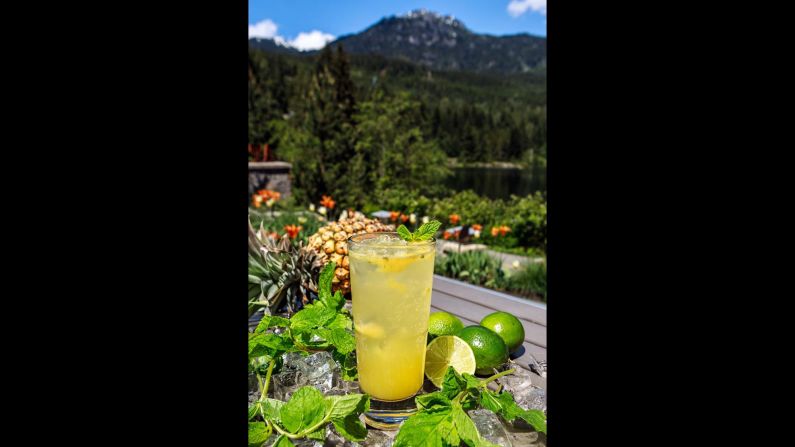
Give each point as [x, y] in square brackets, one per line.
[437, 42]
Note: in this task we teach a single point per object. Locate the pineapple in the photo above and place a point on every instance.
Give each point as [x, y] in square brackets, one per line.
[278, 271]
[331, 244]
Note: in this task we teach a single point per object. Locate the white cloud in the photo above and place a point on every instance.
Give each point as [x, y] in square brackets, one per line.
[519, 7]
[312, 40]
[264, 28]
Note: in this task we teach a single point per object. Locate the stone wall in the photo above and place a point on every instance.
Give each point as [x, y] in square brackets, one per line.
[273, 175]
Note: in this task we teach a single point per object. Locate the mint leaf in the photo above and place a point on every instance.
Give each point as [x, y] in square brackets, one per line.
[535, 418]
[269, 321]
[311, 317]
[427, 230]
[404, 232]
[339, 338]
[304, 409]
[471, 381]
[253, 410]
[336, 301]
[426, 429]
[344, 413]
[466, 428]
[342, 406]
[492, 401]
[341, 321]
[504, 405]
[350, 427]
[319, 434]
[258, 433]
[272, 409]
[433, 402]
[453, 383]
[282, 441]
[324, 295]
[267, 344]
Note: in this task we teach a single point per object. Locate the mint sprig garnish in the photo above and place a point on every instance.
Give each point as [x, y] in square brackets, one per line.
[441, 417]
[423, 233]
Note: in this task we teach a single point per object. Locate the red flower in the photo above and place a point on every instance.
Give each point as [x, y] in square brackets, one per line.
[292, 230]
[328, 202]
[446, 235]
[454, 219]
[393, 215]
[404, 218]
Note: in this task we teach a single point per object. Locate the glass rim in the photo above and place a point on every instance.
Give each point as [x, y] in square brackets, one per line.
[431, 241]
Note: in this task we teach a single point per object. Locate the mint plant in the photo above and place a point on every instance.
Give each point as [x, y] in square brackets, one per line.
[306, 415]
[323, 325]
[441, 418]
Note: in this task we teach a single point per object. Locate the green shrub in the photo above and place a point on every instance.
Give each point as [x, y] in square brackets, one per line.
[530, 280]
[475, 267]
[525, 216]
[480, 269]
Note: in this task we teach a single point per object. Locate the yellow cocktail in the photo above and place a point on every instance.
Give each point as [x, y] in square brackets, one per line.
[391, 284]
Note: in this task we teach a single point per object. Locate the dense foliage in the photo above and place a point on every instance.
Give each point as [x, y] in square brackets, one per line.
[525, 216]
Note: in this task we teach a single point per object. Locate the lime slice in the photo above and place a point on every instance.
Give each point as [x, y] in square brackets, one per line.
[444, 351]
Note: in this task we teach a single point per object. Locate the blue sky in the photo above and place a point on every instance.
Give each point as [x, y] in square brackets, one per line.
[309, 24]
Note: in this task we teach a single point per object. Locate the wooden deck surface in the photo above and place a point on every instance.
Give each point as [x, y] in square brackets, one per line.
[471, 303]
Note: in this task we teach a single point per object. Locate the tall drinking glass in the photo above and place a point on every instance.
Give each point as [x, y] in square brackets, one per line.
[391, 282]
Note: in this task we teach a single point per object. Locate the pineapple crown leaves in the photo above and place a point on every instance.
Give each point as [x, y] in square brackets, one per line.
[423, 233]
[280, 269]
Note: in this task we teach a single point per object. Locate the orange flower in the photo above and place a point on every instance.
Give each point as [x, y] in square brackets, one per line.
[504, 229]
[273, 235]
[257, 199]
[292, 230]
[393, 215]
[446, 235]
[267, 194]
[454, 219]
[495, 231]
[404, 218]
[328, 202]
[477, 227]
[457, 233]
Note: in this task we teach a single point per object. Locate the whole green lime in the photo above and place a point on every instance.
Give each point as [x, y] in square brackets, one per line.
[490, 351]
[443, 323]
[507, 326]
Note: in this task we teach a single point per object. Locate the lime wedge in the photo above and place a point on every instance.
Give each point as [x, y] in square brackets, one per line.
[444, 351]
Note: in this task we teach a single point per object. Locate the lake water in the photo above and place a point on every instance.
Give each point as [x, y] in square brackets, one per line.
[499, 183]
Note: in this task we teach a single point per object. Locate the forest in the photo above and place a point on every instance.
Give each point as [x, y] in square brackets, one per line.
[356, 126]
